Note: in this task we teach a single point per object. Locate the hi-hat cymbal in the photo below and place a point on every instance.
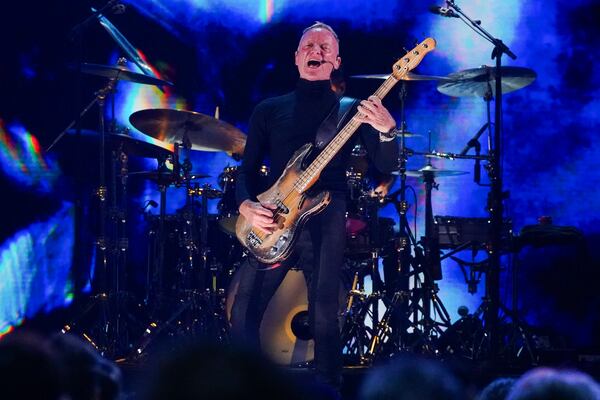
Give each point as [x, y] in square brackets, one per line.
[410, 76]
[122, 74]
[204, 133]
[474, 82]
[429, 169]
[131, 146]
[163, 177]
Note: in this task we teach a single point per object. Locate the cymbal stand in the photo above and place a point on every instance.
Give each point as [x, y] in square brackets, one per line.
[431, 269]
[216, 324]
[185, 297]
[158, 249]
[106, 332]
[395, 318]
[497, 194]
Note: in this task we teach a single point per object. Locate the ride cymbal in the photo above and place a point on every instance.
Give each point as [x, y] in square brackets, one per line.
[122, 74]
[410, 76]
[477, 81]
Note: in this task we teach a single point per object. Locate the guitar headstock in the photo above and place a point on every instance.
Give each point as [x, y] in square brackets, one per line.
[412, 58]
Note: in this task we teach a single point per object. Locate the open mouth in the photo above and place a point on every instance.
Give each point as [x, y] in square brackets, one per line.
[314, 64]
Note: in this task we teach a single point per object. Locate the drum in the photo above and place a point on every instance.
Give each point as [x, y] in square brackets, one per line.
[228, 209]
[284, 332]
[365, 231]
[225, 253]
[356, 220]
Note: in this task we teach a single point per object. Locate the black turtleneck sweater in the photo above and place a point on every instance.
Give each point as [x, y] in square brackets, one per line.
[280, 125]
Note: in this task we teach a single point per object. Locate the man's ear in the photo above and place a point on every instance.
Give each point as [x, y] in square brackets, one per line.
[338, 60]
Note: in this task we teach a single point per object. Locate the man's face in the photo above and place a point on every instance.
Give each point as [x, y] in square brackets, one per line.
[315, 47]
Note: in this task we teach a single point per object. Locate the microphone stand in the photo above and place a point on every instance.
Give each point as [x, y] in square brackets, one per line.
[77, 29]
[496, 193]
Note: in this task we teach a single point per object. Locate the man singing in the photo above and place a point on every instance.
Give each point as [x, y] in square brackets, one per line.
[277, 128]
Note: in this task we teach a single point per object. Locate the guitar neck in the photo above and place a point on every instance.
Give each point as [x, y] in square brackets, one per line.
[320, 162]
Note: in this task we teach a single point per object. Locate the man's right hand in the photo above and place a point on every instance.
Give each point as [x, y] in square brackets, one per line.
[259, 215]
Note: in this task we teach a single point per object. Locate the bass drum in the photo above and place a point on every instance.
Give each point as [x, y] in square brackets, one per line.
[284, 332]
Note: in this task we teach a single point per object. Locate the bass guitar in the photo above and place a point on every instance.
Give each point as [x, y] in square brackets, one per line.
[289, 194]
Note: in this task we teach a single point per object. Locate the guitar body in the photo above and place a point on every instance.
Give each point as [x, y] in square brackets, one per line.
[293, 209]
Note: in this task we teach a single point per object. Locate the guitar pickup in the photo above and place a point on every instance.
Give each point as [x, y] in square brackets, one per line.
[282, 207]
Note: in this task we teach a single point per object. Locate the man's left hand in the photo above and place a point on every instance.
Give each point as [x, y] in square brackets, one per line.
[375, 114]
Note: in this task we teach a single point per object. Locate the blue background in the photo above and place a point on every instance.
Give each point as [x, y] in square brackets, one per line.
[231, 54]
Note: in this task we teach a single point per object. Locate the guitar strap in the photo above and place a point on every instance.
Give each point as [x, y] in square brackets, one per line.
[334, 121]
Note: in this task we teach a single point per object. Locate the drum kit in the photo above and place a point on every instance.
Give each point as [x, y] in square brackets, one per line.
[193, 256]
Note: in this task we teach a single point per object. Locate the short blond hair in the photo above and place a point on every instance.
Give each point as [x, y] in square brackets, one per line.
[321, 25]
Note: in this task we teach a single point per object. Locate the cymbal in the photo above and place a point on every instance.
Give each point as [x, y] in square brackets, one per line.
[162, 176]
[122, 74]
[132, 146]
[410, 76]
[429, 169]
[205, 133]
[474, 82]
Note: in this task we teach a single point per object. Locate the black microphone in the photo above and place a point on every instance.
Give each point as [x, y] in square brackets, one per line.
[327, 61]
[443, 11]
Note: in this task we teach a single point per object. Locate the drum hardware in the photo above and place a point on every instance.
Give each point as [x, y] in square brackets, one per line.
[194, 305]
[467, 336]
[110, 308]
[389, 333]
[109, 331]
[452, 156]
[504, 79]
[366, 238]
[424, 298]
[414, 259]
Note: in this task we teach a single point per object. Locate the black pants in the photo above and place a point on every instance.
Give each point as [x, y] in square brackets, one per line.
[320, 250]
